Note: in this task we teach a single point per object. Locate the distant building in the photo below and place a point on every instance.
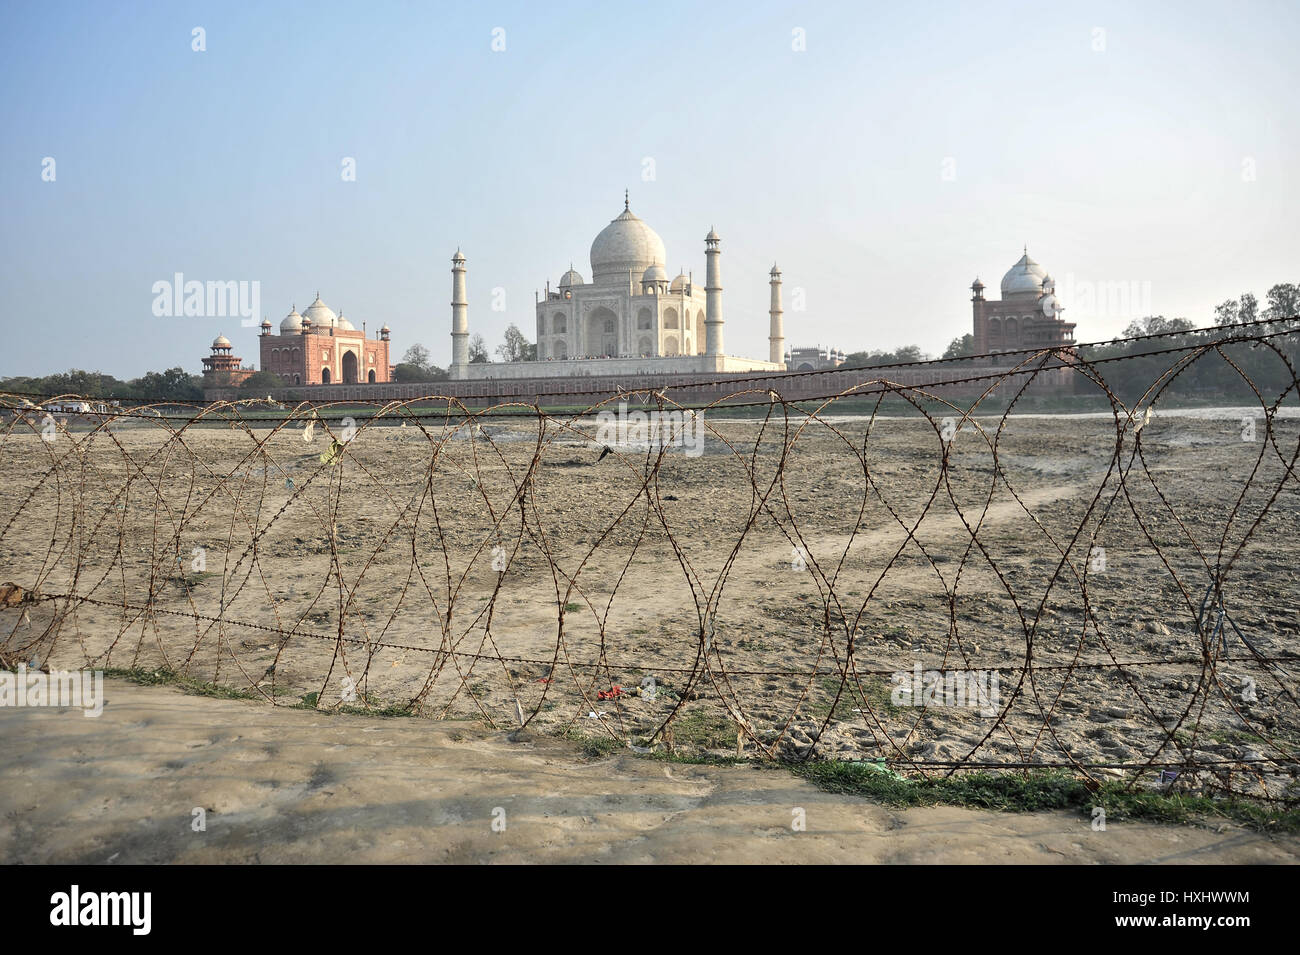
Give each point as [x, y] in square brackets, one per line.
[314, 348]
[222, 368]
[1027, 317]
[321, 348]
[629, 319]
[815, 358]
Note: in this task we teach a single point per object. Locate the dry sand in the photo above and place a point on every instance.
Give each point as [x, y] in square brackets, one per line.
[286, 786]
[378, 549]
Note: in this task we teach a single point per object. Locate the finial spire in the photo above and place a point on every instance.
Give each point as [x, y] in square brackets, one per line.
[625, 202]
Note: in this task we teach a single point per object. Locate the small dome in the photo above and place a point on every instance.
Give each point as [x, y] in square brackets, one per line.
[713, 236]
[570, 277]
[344, 324]
[266, 323]
[458, 257]
[655, 273]
[680, 283]
[977, 284]
[321, 315]
[775, 273]
[385, 328]
[292, 322]
[221, 341]
[1025, 277]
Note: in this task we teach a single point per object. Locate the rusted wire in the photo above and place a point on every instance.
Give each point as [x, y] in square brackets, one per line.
[489, 562]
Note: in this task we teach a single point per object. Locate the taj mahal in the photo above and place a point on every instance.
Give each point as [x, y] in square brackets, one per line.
[630, 319]
[629, 325]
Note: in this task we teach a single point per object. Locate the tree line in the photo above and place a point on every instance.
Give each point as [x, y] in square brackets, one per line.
[174, 384]
[1208, 377]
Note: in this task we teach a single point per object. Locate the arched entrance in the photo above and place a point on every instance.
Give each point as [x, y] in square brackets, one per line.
[602, 333]
[371, 377]
[349, 368]
[324, 376]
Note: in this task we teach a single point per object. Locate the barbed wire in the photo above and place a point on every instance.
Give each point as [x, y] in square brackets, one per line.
[927, 588]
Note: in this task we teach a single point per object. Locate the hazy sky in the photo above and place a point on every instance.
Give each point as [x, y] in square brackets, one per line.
[908, 148]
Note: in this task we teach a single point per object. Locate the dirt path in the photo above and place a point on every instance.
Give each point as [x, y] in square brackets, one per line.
[297, 786]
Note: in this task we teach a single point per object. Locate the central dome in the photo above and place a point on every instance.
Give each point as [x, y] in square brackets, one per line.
[1026, 276]
[624, 250]
[321, 315]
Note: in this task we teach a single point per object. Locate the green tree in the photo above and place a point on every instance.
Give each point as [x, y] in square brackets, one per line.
[1225, 313]
[416, 355]
[1248, 311]
[174, 384]
[962, 347]
[877, 358]
[89, 384]
[516, 347]
[1283, 301]
[1156, 325]
[478, 353]
[408, 372]
[261, 383]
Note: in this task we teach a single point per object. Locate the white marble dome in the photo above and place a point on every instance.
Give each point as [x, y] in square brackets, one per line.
[291, 322]
[344, 325]
[321, 315]
[625, 246]
[680, 283]
[570, 278]
[656, 273]
[221, 341]
[1025, 277]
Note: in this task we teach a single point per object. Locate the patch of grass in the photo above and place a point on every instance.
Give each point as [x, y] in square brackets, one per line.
[703, 729]
[592, 747]
[389, 711]
[570, 607]
[1041, 790]
[161, 676]
[874, 688]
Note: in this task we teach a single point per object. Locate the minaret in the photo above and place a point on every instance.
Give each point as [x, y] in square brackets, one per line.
[979, 323]
[712, 296]
[776, 331]
[459, 320]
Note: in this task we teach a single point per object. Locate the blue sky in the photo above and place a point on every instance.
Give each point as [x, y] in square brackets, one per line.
[905, 150]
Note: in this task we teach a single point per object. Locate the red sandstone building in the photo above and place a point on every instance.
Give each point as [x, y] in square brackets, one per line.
[1028, 317]
[321, 348]
[221, 367]
[315, 348]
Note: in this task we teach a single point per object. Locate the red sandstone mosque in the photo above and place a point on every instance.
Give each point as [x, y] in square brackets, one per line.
[314, 348]
[1027, 317]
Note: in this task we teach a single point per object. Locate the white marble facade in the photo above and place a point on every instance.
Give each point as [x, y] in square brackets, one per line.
[629, 309]
[628, 318]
